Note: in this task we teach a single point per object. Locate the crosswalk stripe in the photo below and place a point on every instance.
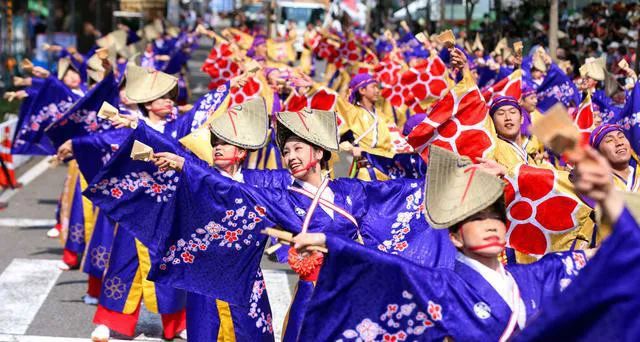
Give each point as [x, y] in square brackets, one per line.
[279, 297]
[26, 222]
[24, 286]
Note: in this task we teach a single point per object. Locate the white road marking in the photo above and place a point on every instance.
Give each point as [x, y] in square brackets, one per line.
[27, 178]
[24, 285]
[279, 297]
[26, 222]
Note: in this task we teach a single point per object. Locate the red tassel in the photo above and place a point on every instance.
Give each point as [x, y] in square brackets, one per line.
[307, 266]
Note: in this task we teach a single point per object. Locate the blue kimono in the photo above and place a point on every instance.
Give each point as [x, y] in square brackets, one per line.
[602, 302]
[394, 225]
[251, 322]
[98, 249]
[365, 295]
[49, 104]
[81, 119]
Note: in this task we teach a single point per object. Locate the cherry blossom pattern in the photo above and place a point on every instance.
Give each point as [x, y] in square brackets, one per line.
[323, 99]
[209, 102]
[535, 209]
[76, 232]
[264, 321]
[584, 119]
[573, 263]
[349, 51]
[88, 118]
[160, 185]
[251, 90]
[387, 73]
[426, 80]
[508, 86]
[326, 50]
[99, 257]
[219, 65]
[457, 122]
[114, 288]
[396, 315]
[401, 228]
[46, 115]
[235, 231]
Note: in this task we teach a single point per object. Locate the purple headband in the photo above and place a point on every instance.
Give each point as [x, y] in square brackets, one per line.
[268, 71]
[359, 81]
[599, 133]
[259, 40]
[527, 90]
[412, 122]
[501, 101]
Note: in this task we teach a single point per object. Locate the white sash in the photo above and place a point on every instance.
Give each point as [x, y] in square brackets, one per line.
[515, 311]
[326, 204]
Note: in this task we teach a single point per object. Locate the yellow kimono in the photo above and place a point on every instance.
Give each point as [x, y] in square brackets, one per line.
[631, 184]
[510, 155]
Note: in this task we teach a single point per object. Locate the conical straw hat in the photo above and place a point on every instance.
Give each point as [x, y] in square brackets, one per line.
[243, 125]
[317, 127]
[63, 65]
[144, 85]
[455, 190]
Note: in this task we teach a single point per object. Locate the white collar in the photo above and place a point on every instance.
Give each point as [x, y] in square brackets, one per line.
[500, 280]
[159, 126]
[327, 194]
[630, 178]
[78, 91]
[238, 176]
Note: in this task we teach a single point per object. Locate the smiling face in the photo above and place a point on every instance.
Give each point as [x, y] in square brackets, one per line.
[300, 157]
[616, 148]
[508, 120]
[71, 79]
[482, 234]
[529, 102]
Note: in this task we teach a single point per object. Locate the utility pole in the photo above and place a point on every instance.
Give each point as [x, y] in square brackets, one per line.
[553, 29]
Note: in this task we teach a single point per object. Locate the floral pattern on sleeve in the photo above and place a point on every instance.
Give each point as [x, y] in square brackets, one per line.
[160, 185]
[402, 226]
[235, 230]
[396, 315]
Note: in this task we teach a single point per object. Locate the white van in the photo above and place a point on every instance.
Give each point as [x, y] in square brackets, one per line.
[300, 12]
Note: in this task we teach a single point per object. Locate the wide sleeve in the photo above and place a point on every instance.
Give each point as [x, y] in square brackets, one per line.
[393, 222]
[602, 302]
[135, 193]
[363, 294]
[93, 151]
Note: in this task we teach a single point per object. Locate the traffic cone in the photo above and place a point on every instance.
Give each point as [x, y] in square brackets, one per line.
[7, 172]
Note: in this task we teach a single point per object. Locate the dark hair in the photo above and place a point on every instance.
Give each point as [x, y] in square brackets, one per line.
[497, 210]
[357, 96]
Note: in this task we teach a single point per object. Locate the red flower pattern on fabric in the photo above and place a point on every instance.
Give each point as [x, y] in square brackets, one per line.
[535, 210]
[457, 124]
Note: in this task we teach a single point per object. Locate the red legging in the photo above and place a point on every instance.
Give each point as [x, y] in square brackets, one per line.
[70, 258]
[125, 324]
[94, 286]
